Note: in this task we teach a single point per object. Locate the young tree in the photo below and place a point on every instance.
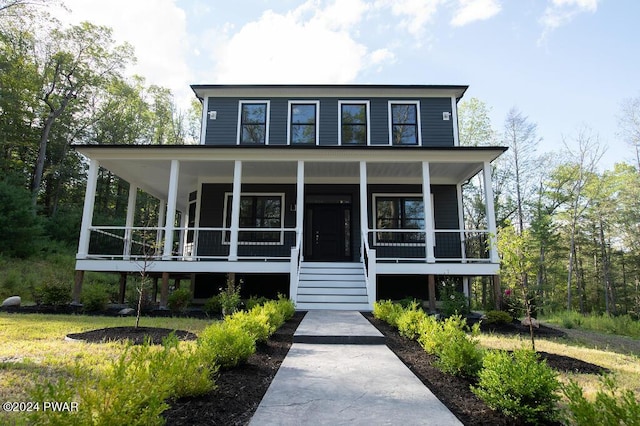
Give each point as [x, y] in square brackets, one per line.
[629, 126]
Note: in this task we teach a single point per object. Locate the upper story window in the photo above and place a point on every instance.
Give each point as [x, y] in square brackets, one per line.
[404, 123]
[303, 122]
[253, 127]
[354, 119]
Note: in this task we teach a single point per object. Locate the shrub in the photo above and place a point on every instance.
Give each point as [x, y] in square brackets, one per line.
[498, 317]
[454, 303]
[256, 323]
[254, 301]
[428, 333]
[608, 408]
[518, 385]
[186, 368]
[410, 320]
[19, 225]
[512, 304]
[274, 312]
[95, 297]
[54, 293]
[387, 311]
[213, 306]
[226, 345]
[179, 300]
[457, 352]
[230, 297]
[286, 306]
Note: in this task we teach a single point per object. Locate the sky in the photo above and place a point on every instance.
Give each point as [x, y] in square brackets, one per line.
[565, 64]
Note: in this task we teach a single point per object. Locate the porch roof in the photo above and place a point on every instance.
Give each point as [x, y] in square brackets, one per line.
[148, 166]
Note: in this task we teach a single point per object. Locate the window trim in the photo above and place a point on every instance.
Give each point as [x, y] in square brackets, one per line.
[375, 197]
[418, 121]
[267, 119]
[290, 116]
[227, 205]
[367, 105]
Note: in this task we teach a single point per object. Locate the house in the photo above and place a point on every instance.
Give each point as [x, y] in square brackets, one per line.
[336, 195]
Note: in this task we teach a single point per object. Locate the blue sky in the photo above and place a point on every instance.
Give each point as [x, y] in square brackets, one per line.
[563, 63]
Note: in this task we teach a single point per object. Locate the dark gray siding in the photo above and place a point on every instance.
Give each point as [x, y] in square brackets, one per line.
[224, 129]
[435, 130]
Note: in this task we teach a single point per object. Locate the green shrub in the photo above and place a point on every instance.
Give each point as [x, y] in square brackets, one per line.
[274, 312]
[458, 353]
[410, 320]
[454, 303]
[609, 407]
[213, 306]
[428, 334]
[254, 301]
[286, 306]
[498, 317]
[95, 297]
[19, 225]
[179, 300]
[186, 368]
[519, 385]
[226, 345]
[54, 293]
[387, 311]
[230, 297]
[256, 323]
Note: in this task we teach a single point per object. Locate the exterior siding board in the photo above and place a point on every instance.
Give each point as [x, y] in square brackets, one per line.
[224, 129]
[435, 130]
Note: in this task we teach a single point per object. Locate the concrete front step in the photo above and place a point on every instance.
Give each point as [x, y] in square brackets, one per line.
[356, 291]
[306, 306]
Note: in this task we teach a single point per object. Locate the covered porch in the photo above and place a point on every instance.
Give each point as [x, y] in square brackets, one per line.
[330, 205]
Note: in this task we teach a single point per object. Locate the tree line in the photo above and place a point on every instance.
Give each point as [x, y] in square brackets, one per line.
[569, 231]
[62, 85]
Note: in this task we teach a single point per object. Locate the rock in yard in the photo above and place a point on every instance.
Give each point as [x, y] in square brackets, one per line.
[534, 322]
[12, 301]
[126, 311]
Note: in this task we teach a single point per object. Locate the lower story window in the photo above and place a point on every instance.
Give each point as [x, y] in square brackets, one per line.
[257, 211]
[395, 213]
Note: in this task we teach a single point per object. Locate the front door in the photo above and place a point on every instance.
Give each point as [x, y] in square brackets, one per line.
[328, 232]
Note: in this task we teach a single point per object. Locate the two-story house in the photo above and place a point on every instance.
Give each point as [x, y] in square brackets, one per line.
[336, 195]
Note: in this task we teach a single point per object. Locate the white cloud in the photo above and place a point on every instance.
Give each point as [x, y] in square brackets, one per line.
[156, 29]
[414, 14]
[309, 44]
[469, 11]
[561, 12]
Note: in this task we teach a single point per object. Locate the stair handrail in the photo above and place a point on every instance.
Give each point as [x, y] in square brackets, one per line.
[369, 266]
[296, 262]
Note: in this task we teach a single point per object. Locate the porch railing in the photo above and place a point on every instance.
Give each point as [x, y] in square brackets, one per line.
[451, 245]
[369, 264]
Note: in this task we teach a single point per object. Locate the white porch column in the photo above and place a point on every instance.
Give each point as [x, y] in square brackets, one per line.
[131, 212]
[162, 211]
[428, 213]
[300, 201]
[235, 210]
[364, 206]
[172, 202]
[491, 213]
[463, 242]
[87, 211]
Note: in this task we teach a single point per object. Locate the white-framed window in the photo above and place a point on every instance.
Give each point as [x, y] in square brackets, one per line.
[353, 123]
[253, 122]
[257, 210]
[404, 123]
[304, 117]
[395, 212]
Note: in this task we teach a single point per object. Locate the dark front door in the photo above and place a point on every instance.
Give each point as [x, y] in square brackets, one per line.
[328, 236]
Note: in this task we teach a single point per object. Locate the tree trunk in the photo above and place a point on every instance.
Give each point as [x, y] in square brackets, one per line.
[42, 154]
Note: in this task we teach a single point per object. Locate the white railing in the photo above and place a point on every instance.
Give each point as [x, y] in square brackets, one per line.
[450, 245]
[294, 272]
[369, 264]
[190, 244]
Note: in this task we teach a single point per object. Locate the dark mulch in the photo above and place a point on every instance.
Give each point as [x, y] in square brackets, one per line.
[137, 336]
[240, 390]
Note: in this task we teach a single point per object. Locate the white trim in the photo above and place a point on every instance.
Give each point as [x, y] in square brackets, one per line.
[204, 122]
[303, 102]
[463, 244]
[87, 210]
[267, 119]
[228, 195]
[131, 211]
[172, 198]
[454, 109]
[374, 219]
[299, 199]
[490, 211]
[367, 105]
[429, 214]
[418, 122]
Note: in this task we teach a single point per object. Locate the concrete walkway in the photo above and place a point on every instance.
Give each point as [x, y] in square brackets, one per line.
[343, 373]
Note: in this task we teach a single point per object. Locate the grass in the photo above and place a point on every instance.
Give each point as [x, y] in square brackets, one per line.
[622, 325]
[33, 348]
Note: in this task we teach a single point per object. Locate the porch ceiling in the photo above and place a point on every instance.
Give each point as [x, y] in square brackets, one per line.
[148, 167]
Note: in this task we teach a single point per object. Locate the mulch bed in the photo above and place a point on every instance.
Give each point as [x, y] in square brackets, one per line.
[240, 390]
[137, 336]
